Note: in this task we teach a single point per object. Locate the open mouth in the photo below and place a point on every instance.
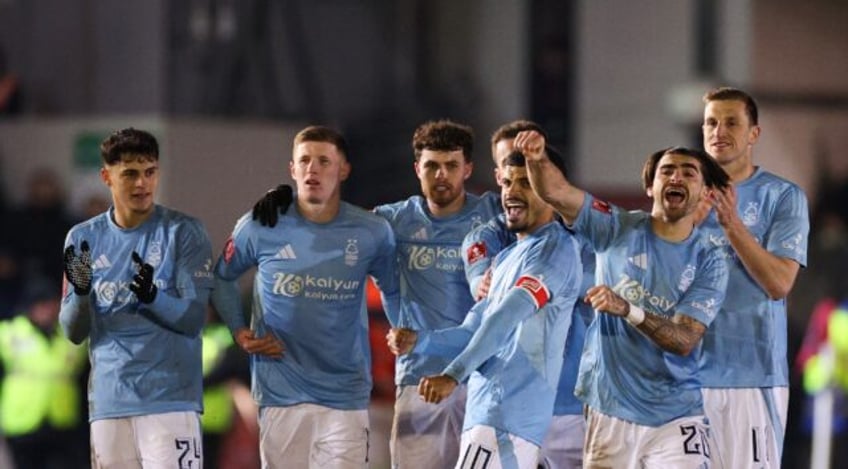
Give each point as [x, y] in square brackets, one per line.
[514, 208]
[675, 195]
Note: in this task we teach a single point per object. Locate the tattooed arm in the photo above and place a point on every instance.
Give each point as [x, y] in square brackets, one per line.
[678, 334]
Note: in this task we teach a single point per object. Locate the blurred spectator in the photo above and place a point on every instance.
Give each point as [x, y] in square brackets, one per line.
[10, 89]
[224, 366]
[40, 227]
[41, 410]
[381, 409]
[9, 272]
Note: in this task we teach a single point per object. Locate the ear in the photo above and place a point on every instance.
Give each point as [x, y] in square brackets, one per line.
[754, 135]
[344, 171]
[417, 169]
[105, 177]
[469, 167]
[291, 170]
[650, 192]
[498, 176]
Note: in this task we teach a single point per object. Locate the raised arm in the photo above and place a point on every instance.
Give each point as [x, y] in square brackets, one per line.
[547, 180]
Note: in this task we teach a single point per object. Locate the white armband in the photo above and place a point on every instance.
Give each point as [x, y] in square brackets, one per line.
[635, 316]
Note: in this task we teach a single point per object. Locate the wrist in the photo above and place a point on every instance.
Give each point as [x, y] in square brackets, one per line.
[635, 315]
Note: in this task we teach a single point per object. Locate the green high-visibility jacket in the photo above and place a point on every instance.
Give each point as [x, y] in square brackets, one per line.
[217, 401]
[40, 378]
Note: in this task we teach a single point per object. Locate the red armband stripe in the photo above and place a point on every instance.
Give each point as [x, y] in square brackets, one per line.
[537, 290]
[476, 252]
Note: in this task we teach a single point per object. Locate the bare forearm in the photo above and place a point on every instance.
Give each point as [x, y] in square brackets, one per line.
[678, 335]
[774, 274]
[554, 188]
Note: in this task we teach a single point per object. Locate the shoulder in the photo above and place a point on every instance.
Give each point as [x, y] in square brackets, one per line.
[94, 225]
[352, 214]
[183, 223]
[763, 178]
[400, 208]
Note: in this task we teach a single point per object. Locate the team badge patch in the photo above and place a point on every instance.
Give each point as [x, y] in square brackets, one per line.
[229, 250]
[537, 290]
[476, 252]
[601, 206]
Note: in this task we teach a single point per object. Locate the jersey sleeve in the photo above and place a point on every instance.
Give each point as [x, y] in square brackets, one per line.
[479, 248]
[449, 342]
[790, 228]
[237, 257]
[384, 270]
[184, 309]
[597, 222]
[546, 269]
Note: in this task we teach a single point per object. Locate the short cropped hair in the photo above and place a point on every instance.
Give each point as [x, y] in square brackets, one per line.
[443, 135]
[727, 93]
[129, 141]
[511, 129]
[714, 176]
[319, 133]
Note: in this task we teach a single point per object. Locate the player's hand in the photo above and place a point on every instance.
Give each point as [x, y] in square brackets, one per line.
[531, 144]
[435, 389]
[401, 340]
[484, 285]
[603, 299]
[78, 269]
[702, 210]
[142, 285]
[273, 204]
[724, 203]
[267, 345]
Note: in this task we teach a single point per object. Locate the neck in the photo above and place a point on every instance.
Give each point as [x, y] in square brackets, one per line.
[319, 212]
[672, 231]
[129, 219]
[455, 206]
[739, 170]
[532, 229]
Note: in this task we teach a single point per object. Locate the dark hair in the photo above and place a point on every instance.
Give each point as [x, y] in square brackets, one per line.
[516, 158]
[443, 135]
[727, 93]
[127, 142]
[714, 175]
[319, 133]
[511, 129]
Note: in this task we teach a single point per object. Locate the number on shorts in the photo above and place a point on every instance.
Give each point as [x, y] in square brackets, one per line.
[189, 453]
[476, 457]
[696, 441]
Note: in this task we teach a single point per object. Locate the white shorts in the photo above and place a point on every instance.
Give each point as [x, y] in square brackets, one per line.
[426, 436]
[748, 425]
[484, 447]
[313, 436]
[563, 445]
[614, 443]
[170, 440]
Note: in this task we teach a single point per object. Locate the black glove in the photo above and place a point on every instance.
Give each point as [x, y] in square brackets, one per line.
[142, 285]
[272, 204]
[78, 268]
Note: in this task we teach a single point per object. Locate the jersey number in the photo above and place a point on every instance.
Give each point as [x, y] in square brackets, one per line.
[696, 441]
[476, 457]
[189, 453]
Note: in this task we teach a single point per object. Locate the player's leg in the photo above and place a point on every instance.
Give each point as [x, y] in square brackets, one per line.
[747, 425]
[426, 436]
[563, 445]
[169, 440]
[341, 439]
[483, 447]
[285, 436]
[611, 442]
[683, 444]
[113, 444]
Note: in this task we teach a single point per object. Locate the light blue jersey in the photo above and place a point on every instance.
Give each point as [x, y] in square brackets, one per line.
[309, 292]
[433, 290]
[623, 373]
[746, 345]
[511, 343]
[482, 245]
[145, 359]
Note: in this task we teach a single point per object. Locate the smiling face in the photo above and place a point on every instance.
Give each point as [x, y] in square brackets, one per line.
[442, 175]
[677, 187]
[133, 181]
[524, 210]
[318, 169]
[729, 134]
